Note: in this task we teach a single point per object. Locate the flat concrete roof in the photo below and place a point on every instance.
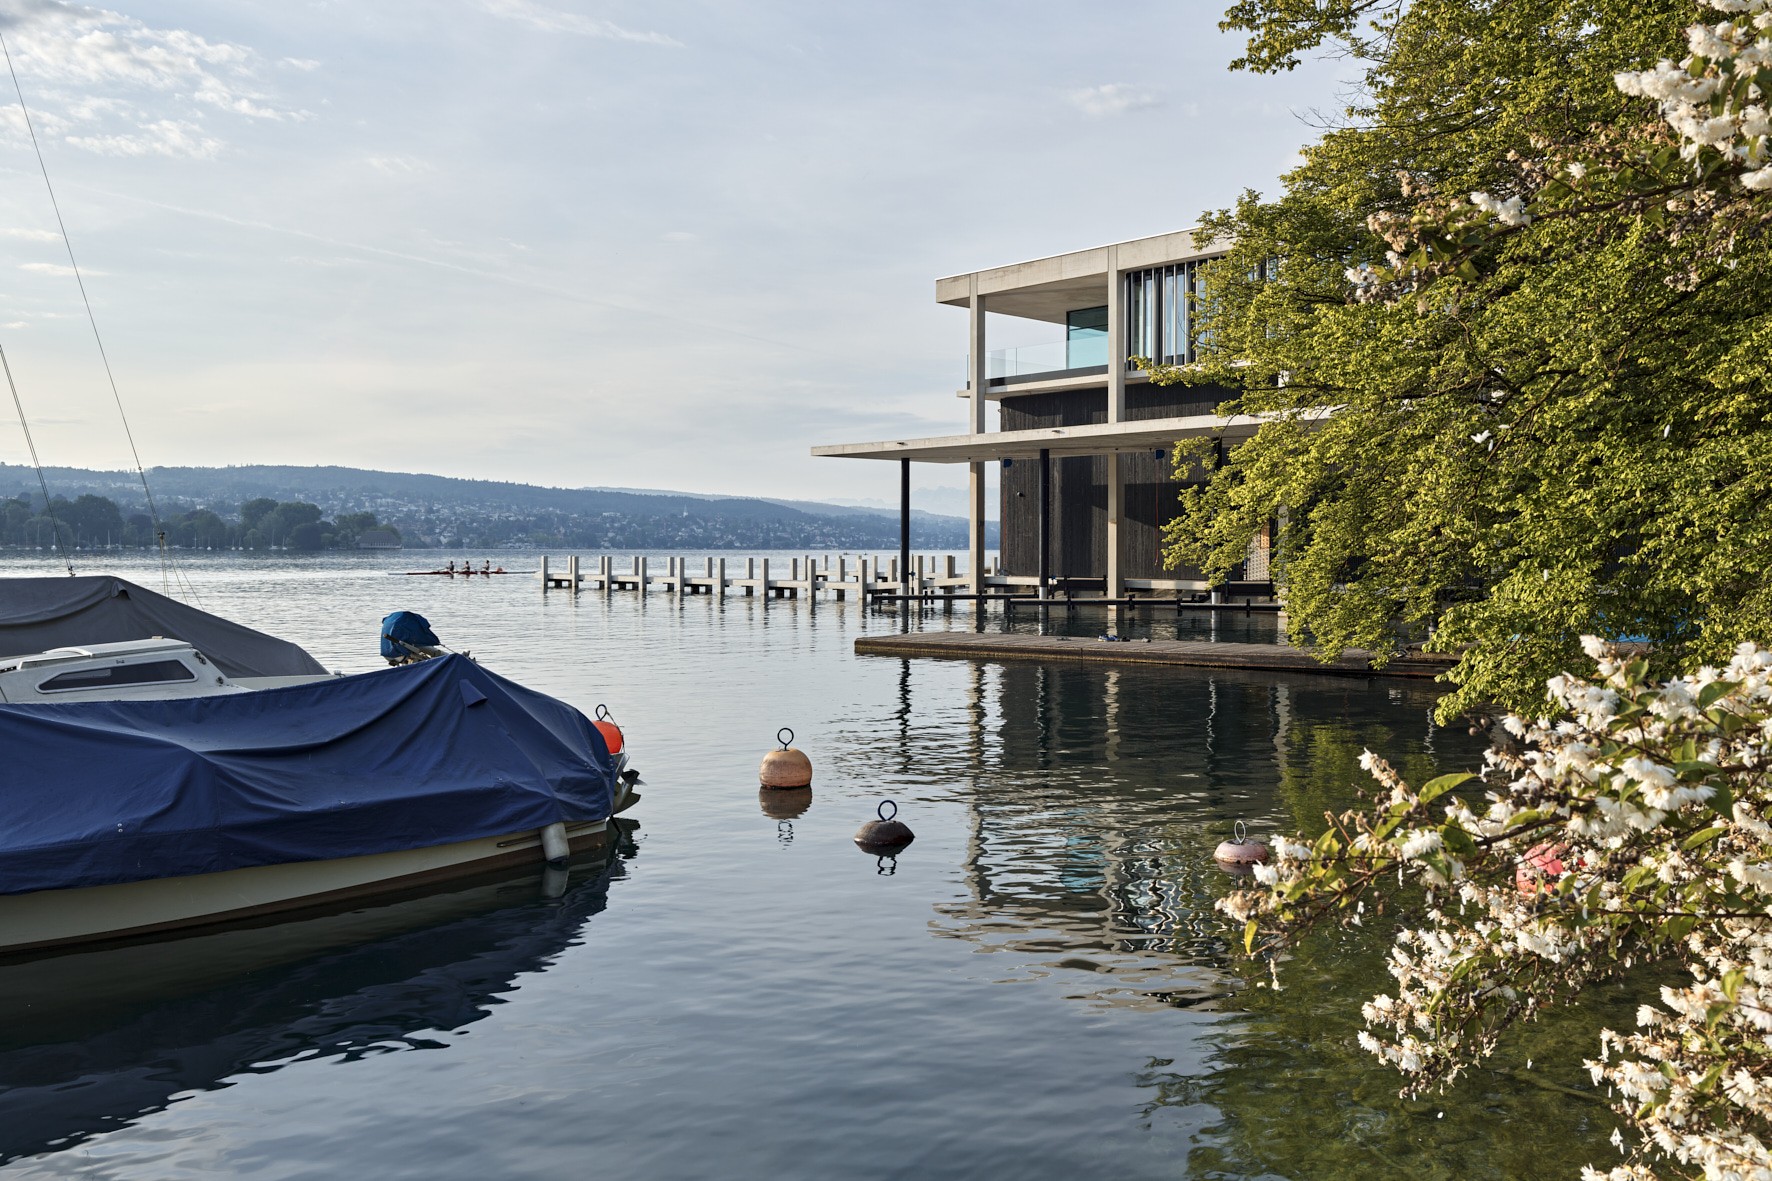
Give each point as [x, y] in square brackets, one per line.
[1048, 288]
[1102, 438]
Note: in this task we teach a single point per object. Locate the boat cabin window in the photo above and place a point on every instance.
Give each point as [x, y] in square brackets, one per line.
[148, 672]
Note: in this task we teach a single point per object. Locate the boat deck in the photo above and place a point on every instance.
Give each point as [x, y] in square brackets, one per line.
[1188, 653]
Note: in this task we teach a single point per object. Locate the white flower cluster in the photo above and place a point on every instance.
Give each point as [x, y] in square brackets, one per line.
[1632, 829]
[1511, 212]
[1710, 98]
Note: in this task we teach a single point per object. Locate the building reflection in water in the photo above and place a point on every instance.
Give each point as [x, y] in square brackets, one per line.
[1093, 799]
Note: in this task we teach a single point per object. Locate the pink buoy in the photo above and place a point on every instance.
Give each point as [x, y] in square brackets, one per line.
[1540, 868]
[1241, 849]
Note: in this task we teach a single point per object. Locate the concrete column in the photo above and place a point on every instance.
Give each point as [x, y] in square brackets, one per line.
[1116, 412]
[1116, 509]
[978, 381]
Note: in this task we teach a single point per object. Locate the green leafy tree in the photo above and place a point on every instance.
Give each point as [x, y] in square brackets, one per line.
[1509, 328]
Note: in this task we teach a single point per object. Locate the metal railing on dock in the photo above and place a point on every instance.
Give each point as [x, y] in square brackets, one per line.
[929, 580]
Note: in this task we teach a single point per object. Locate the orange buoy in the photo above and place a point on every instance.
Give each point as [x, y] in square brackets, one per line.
[1540, 868]
[611, 732]
[786, 767]
[1241, 849]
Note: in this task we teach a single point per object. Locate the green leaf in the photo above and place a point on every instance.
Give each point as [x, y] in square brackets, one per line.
[1715, 692]
[1457, 840]
[1703, 836]
[1433, 789]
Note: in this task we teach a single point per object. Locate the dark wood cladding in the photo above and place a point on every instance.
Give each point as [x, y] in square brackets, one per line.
[1079, 486]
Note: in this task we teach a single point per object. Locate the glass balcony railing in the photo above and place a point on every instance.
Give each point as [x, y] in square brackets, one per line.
[1053, 356]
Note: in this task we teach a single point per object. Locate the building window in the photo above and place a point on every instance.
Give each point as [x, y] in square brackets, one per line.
[1159, 313]
[1085, 338]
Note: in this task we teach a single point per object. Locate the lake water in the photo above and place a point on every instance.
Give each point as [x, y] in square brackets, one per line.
[1036, 988]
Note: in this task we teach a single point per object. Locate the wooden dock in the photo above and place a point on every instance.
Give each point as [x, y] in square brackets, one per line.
[927, 580]
[841, 577]
[1188, 653]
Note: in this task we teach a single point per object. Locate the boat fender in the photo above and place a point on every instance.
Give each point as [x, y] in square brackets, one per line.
[1539, 870]
[554, 845]
[787, 767]
[611, 732]
[886, 835]
[1241, 849]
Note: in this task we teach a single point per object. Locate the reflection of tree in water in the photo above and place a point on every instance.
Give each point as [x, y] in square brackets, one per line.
[1296, 1096]
[1094, 799]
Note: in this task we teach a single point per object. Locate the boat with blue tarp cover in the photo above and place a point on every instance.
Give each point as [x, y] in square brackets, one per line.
[129, 816]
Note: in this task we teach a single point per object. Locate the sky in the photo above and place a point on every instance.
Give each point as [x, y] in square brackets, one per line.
[653, 245]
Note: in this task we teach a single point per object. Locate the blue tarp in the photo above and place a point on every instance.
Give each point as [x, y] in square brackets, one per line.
[405, 627]
[426, 754]
[37, 614]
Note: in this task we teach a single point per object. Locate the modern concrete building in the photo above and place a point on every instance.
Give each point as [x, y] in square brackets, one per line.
[1083, 436]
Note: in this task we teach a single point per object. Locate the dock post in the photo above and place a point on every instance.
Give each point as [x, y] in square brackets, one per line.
[572, 573]
[904, 524]
[842, 577]
[811, 579]
[861, 576]
[544, 574]
[606, 567]
[719, 590]
[640, 562]
[763, 586]
[682, 576]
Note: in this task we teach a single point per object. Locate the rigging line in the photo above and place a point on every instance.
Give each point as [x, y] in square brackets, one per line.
[153, 510]
[55, 526]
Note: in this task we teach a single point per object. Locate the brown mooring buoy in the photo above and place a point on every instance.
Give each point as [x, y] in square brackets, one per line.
[784, 803]
[786, 767]
[1241, 850]
[885, 835]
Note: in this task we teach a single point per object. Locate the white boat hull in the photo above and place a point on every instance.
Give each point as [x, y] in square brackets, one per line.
[56, 918]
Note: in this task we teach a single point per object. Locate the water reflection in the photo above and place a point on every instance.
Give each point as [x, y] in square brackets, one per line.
[95, 1040]
[1093, 800]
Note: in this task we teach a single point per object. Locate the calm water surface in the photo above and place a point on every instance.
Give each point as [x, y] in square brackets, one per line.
[1036, 988]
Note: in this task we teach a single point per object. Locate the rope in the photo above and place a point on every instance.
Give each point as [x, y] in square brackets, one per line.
[153, 510]
[48, 507]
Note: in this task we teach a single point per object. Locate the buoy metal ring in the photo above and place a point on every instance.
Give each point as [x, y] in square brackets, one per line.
[785, 742]
[881, 810]
[603, 714]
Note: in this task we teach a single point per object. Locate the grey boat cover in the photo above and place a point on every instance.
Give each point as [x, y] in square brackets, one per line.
[37, 614]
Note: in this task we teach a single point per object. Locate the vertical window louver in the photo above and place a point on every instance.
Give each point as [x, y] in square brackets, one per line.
[1159, 313]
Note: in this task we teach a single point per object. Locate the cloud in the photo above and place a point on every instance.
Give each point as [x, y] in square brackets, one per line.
[112, 84]
[551, 20]
[1113, 98]
[15, 324]
[32, 235]
[52, 268]
[163, 137]
[303, 64]
[399, 165]
[677, 236]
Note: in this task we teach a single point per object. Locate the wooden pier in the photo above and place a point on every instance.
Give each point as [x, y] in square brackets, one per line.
[1191, 653]
[810, 577]
[927, 580]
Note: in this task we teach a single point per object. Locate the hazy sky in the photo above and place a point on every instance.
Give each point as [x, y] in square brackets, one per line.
[656, 245]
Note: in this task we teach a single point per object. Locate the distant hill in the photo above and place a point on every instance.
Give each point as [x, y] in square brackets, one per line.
[446, 511]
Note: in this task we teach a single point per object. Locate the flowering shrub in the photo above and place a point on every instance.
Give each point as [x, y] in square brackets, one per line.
[1632, 830]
